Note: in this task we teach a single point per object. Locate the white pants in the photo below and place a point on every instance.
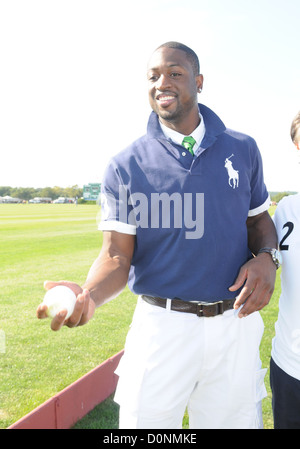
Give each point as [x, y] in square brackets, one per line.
[173, 360]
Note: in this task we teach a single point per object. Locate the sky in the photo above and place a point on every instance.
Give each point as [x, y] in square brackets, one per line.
[73, 89]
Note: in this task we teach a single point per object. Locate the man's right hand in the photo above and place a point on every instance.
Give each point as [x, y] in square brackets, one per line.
[83, 311]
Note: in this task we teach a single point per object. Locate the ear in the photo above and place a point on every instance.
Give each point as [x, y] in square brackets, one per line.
[199, 82]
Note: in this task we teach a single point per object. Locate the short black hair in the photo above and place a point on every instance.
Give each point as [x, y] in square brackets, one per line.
[191, 55]
[295, 128]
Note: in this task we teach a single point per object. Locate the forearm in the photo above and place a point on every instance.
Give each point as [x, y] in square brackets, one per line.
[261, 233]
[107, 278]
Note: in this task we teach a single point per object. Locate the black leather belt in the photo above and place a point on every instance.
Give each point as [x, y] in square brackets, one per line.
[205, 309]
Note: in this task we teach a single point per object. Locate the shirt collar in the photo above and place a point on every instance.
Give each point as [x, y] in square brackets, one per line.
[177, 137]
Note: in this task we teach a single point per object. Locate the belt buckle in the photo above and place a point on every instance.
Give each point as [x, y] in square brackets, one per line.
[217, 308]
[220, 307]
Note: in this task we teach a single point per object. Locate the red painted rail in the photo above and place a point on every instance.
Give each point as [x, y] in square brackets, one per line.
[64, 409]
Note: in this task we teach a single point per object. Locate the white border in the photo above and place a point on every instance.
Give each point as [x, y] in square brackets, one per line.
[118, 226]
[258, 210]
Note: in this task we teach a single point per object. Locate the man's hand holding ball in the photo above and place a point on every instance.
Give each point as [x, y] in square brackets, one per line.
[67, 304]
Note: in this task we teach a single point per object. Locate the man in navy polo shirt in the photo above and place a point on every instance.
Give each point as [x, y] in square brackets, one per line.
[182, 222]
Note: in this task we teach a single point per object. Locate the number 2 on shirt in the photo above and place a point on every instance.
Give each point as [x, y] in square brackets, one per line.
[290, 227]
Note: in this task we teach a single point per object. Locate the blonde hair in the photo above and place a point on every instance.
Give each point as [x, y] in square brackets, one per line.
[295, 129]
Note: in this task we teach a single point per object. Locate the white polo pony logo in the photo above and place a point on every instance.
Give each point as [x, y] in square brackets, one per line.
[233, 174]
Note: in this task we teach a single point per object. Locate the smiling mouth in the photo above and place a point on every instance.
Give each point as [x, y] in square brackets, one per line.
[165, 99]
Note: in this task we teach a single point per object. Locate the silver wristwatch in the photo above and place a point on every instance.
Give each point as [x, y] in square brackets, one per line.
[274, 253]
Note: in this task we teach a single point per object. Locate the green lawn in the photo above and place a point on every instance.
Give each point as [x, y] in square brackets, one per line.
[40, 242]
[57, 241]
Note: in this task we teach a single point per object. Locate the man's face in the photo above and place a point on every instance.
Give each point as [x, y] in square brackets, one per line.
[173, 86]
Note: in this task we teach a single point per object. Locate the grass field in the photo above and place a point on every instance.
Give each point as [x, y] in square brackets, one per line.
[55, 242]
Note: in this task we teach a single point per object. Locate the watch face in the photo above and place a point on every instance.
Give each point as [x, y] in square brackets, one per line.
[275, 254]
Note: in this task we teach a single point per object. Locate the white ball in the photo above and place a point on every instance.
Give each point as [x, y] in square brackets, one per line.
[59, 298]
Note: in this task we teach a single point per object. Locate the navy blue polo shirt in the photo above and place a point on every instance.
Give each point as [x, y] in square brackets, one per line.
[188, 212]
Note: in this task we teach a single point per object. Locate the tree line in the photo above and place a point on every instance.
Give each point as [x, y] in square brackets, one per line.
[28, 193]
[277, 196]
